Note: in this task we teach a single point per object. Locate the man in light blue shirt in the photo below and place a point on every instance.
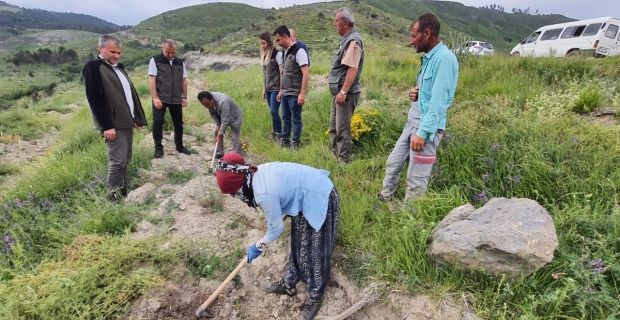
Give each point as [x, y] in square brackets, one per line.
[437, 79]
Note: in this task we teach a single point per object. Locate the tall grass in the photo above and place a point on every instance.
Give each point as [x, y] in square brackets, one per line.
[496, 146]
[514, 130]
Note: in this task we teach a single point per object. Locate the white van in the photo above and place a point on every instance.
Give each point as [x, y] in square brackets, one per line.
[569, 39]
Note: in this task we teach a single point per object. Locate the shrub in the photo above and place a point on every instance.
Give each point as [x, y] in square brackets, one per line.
[588, 101]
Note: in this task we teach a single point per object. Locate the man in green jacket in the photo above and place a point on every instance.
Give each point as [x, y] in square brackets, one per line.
[116, 110]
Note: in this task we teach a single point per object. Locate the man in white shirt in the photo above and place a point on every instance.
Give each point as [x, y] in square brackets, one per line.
[293, 85]
[168, 85]
[116, 111]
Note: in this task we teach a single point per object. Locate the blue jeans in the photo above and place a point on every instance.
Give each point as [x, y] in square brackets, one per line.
[274, 106]
[291, 112]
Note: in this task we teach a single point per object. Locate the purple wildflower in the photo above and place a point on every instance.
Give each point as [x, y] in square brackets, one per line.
[495, 147]
[487, 176]
[516, 179]
[482, 197]
[164, 212]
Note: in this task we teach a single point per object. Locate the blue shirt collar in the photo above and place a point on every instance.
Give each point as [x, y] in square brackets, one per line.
[430, 54]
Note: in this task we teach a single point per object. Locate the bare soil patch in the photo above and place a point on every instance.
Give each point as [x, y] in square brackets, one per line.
[235, 227]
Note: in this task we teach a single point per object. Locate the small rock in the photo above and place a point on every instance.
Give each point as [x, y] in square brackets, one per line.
[153, 305]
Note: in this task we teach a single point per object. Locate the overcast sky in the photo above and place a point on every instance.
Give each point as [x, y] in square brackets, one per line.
[133, 11]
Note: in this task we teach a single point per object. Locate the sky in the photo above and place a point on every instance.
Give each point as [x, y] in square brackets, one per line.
[131, 12]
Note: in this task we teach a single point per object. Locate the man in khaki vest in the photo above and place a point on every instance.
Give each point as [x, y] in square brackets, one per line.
[344, 84]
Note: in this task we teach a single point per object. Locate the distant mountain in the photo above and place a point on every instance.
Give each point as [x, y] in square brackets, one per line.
[16, 18]
[199, 24]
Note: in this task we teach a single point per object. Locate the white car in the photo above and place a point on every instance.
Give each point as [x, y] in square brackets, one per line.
[478, 48]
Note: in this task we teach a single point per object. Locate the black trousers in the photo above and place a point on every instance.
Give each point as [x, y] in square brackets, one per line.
[176, 113]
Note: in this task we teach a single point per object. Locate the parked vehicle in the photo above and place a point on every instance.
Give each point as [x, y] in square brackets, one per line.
[599, 35]
[478, 48]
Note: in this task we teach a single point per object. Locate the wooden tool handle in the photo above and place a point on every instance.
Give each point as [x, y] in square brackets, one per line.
[219, 289]
[214, 152]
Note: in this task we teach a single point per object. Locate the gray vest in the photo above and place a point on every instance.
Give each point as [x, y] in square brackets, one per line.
[271, 74]
[339, 71]
[291, 73]
[169, 81]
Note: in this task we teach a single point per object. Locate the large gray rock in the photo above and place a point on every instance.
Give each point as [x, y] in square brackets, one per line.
[505, 236]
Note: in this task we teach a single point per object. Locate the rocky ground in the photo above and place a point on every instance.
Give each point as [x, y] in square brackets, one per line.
[236, 226]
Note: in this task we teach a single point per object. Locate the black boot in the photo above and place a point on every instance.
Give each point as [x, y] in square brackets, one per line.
[183, 150]
[309, 310]
[280, 287]
[159, 152]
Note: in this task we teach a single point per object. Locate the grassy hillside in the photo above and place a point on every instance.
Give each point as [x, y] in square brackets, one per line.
[482, 24]
[313, 24]
[16, 18]
[198, 24]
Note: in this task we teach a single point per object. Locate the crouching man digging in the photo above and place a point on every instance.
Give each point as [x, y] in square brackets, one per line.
[305, 194]
[224, 112]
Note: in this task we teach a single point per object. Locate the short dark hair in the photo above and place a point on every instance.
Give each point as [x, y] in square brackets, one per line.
[282, 31]
[205, 95]
[428, 21]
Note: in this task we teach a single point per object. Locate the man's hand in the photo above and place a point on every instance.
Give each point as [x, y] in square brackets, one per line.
[413, 94]
[185, 103]
[417, 144]
[109, 135]
[263, 95]
[218, 139]
[341, 98]
[138, 127]
[157, 103]
[301, 99]
[279, 97]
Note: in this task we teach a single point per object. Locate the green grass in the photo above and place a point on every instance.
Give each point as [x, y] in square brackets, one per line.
[513, 131]
[315, 27]
[506, 137]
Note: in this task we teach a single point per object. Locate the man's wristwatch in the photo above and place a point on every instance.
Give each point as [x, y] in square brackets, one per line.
[343, 93]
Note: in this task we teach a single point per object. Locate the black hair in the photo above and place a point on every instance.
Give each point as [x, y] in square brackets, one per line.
[282, 31]
[205, 95]
[428, 21]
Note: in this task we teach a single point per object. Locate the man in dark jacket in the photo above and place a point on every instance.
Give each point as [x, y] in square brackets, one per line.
[168, 85]
[116, 110]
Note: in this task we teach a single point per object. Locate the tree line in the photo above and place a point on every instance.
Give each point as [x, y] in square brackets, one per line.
[49, 20]
[46, 55]
[514, 10]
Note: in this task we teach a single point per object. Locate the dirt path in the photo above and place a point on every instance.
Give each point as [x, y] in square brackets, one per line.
[235, 227]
